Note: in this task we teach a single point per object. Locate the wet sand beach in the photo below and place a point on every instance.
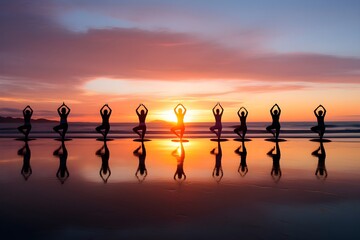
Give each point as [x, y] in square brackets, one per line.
[254, 205]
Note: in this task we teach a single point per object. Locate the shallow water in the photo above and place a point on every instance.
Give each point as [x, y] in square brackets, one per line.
[253, 204]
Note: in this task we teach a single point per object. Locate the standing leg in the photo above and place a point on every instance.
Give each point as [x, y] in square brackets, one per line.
[173, 130]
[143, 132]
[277, 133]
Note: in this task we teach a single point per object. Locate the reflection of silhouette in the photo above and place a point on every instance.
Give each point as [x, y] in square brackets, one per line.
[104, 128]
[142, 126]
[217, 172]
[275, 171]
[62, 174]
[63, 127]
[26, 170]
[218, 111]
[141, 168]
[243, 169]
[320, 153]
[180, 112]
[26, 128]
[275, 114]
[104, 153]
[179, 154]
[320, 113]
[242, 128]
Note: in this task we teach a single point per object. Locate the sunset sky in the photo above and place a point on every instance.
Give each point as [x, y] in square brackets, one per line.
[298, 54]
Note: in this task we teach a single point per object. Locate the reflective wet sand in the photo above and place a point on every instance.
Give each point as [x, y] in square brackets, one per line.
[198, 189]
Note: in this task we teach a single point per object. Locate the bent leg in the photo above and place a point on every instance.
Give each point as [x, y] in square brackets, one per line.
[136, 130]
[57, 129]
[277, 133]
[21, 129]
[212, 129]
[237, 131]
[173, 130]
[270, 129]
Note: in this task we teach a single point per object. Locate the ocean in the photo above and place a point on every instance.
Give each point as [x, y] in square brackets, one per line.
[198, 130]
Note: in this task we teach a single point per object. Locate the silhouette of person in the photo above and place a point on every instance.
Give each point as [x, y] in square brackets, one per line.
[104, 153]
[275, 114]
[180, 112]
[141, 168]
[242, 129]
[320, 113]
[142, 126]
[275, 171]
[243, 169]
[104, 128]
[26, 128]
[62, 173]
[63, 126]
[180, 157]
[218, 171]
[26, 170]
[218, 111]
[320, 153]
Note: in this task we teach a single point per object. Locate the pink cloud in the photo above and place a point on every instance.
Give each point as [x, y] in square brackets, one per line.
[36, 48]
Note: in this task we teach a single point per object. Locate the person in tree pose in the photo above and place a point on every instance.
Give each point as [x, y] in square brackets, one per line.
[218, 111]
[104, 128]
[180, 112]
[142, 126]
[242, 129]
[63, 126]
[275, 114]
[26, 128]
[320, 113]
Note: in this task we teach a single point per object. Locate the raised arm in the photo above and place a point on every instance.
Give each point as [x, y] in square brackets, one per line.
[176, 108]
[271, 110]
[137, 109]
[246, 112]
[146, 110]
[315, 110]
[213, 109]
[278, 108]
[222, 109]
[101, 110]
[183, 108]
[324, 110]
[31, 110]
[67, 108]
[110, 110]
[58, 110]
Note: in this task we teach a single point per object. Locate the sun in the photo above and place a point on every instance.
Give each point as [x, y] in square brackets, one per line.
[169, 116]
